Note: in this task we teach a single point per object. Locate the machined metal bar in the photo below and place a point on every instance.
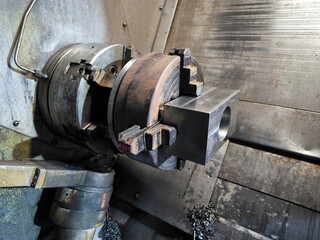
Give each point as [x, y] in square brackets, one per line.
[39, 174]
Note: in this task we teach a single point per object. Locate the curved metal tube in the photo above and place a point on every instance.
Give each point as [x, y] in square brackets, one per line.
[24, 19]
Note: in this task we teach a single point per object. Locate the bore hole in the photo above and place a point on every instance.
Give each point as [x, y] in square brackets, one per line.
[92, 47]
[113, 70]
[224, 124]
[80, 70]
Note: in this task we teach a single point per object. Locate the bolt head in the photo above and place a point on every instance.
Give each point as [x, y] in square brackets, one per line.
[15, 123]
[124, 24]
[136, 196]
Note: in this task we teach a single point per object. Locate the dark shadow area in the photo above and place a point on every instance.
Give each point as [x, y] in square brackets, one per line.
[277, 151]
[154, 224]
[41, 218]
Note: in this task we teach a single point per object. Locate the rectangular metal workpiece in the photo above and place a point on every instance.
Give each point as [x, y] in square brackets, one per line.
[203, 123]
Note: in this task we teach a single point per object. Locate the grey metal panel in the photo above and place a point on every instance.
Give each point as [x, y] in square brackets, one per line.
[54, 24]
[285, 128]
[167, 195]
[227, 230]
[286, 178]
[270, 51]
[272, 217]
[168, 11]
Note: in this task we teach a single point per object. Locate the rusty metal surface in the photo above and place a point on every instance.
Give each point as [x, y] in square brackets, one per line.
[270, 51]
[263, 214]
[151, 81]
[82, 207]
[167, 195]
[286, 178]
[78, 200]
[72, 219]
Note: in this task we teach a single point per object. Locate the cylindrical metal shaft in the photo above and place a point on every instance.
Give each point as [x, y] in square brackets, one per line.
[78, 211]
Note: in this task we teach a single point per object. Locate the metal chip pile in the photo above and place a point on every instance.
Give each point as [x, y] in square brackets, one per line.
[202, 218]
[110, 230]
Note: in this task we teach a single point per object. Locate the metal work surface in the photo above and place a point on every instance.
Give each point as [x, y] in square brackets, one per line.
[168, 195]
[261, 213]
[253, 212]
[290, 129]
[270, 51]
[286, 178]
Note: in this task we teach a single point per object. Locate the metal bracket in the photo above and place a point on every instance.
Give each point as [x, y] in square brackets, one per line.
[49, 174]
[136, 140]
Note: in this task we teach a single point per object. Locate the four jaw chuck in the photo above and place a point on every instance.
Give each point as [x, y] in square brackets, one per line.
[155, 108]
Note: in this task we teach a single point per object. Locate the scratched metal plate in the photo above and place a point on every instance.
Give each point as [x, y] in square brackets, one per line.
[271, 217]
[286, 178]
[277, 127]
[270, 50]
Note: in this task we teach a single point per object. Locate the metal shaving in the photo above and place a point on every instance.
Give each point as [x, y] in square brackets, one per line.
[202, 218]
[110, 230]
